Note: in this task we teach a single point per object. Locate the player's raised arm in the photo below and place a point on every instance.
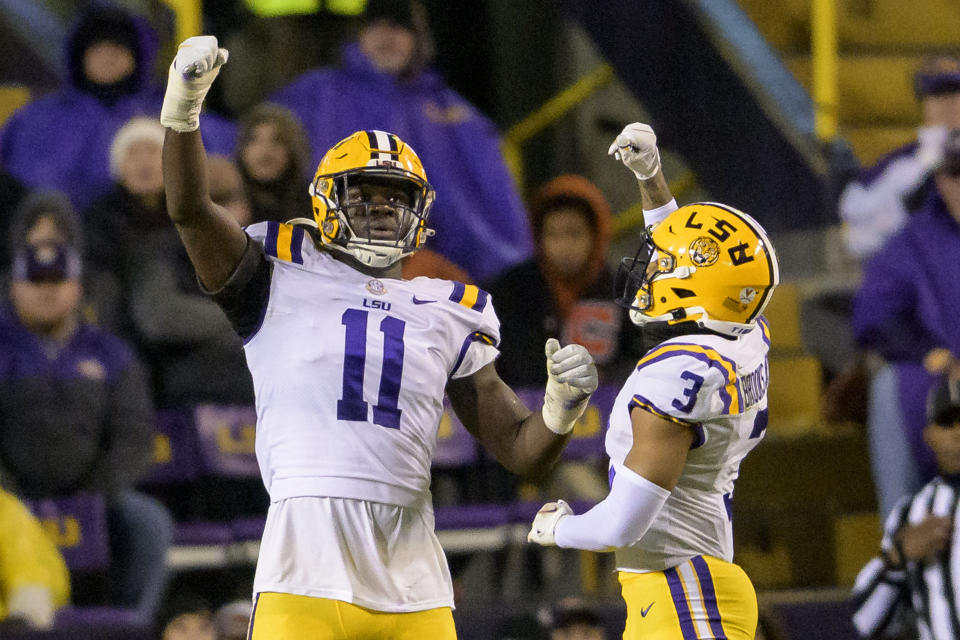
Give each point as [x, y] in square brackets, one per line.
[636, 147]
[214, 241]
[526, 443]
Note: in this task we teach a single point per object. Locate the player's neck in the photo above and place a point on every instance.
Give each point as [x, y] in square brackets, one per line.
[394, 271]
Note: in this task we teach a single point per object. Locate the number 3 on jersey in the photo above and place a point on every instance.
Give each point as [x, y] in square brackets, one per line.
[352, 406]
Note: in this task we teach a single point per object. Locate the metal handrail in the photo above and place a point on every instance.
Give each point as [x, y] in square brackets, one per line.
[550, 112]
[823, 28]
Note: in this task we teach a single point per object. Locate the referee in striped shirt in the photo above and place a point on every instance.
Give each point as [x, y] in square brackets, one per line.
[913, 586]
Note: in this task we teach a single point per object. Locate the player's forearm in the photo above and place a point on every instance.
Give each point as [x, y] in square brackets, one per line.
[536, 447]
[655, 192]
[185, 178]
[619, 520]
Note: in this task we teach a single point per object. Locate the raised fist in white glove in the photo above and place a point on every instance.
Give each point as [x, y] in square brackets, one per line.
[192, 71]
[545, 523]
[636, 147]
[572, 377]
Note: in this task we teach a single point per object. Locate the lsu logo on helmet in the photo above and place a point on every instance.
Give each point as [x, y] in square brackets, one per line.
[342, 210]
[705, 262]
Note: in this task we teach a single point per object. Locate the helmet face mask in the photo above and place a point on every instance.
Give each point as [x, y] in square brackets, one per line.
[707, 263]
[371, 199]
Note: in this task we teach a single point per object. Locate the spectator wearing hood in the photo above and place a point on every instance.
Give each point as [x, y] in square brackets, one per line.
[62, 140]
[565, 291]
[384, 82]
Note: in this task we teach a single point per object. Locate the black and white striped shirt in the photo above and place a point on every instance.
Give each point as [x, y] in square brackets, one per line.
[923, 593]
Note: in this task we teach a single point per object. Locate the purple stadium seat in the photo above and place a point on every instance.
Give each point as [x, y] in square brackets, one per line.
[91, 618]
[246, 529]
[202, 533]
[471, 516]
[455, 446]
[175, 453]
[227, 436]
[78, 525]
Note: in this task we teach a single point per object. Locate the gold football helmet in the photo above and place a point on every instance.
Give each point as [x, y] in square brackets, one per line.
[705, 262]
[371, 198]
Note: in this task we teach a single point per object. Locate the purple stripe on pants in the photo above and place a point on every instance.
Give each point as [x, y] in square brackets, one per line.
[680, 603]
[709, 596]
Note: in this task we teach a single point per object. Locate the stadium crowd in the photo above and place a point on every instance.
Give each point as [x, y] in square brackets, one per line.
[124, 388]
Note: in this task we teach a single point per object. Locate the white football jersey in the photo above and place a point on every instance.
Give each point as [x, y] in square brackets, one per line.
[717, 387]
[349, 372]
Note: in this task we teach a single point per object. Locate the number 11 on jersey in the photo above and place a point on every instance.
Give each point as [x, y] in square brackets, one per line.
[352, 406]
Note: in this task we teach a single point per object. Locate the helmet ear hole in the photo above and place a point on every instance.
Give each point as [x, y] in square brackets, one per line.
[683, 293]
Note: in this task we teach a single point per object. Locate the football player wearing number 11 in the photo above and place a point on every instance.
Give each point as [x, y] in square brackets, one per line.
[693, 407]
[350, 365]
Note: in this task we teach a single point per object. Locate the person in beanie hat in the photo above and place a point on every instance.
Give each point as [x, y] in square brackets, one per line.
[75, 416]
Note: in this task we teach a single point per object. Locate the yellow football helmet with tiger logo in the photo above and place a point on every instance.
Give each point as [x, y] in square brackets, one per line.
[353, 217]
[705, 262]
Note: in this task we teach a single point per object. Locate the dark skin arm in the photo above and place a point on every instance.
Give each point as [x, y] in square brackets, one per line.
[514, 435]
[655, 192]
[214, 241]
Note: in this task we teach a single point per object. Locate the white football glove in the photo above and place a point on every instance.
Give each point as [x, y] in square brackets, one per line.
[572, 377]
[545, 523]
[192, 71]
[32, 603]
[636, 147]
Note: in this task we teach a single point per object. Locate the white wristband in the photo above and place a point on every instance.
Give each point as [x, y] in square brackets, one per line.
[559, 418]
[656, 216]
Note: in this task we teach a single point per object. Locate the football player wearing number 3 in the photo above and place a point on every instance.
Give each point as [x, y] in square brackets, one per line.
[693, 407]
[350, 365]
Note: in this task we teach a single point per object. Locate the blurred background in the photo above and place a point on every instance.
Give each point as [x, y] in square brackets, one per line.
[772, 106]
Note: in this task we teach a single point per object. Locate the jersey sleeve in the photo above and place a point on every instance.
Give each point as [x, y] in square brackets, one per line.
[476, 328]
[243, 298]
[686, 383]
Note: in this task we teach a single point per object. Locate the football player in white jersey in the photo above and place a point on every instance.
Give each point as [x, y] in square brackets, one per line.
[693, 407]
[350, 364]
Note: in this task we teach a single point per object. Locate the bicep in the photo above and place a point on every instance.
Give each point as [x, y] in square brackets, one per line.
[659, 449]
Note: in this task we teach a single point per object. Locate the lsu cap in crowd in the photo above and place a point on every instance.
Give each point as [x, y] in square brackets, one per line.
[46, 262]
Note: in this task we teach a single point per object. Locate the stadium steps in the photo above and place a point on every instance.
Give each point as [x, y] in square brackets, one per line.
[856, 540]
[796, 376]
[862, 24]
[882, 42]
[790, 510]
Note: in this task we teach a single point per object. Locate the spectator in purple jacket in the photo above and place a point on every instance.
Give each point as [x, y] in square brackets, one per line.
[384, 83]
[874, 206]
[75, 415]
[61, 140]
[906, 311]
